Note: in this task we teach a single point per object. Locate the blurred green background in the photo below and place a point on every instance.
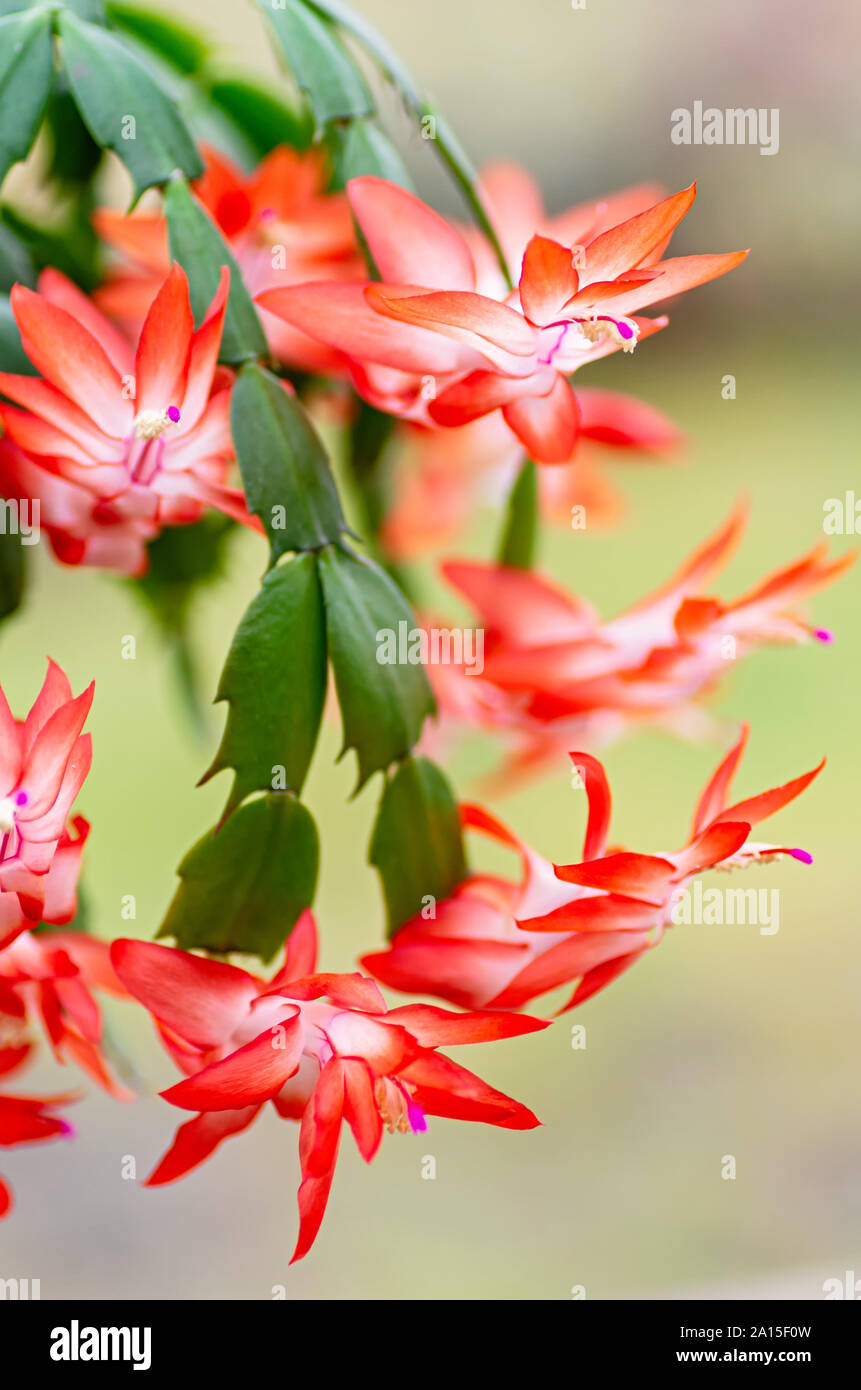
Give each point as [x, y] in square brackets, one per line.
[721, 1042]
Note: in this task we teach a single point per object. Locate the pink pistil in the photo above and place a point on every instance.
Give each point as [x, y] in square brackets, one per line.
[802, 856]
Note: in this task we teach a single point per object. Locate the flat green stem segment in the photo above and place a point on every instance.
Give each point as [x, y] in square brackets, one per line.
[417, 843]
[123, 106]
[244, 888]
[285, 469]
[384, 703]
[274, 680]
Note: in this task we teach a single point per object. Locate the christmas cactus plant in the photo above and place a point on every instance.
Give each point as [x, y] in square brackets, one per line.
[262, 324]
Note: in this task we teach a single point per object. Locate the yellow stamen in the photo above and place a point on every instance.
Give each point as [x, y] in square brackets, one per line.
[151, 424]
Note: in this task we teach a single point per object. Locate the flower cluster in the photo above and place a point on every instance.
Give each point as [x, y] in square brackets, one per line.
[46, 977]
[466, 343]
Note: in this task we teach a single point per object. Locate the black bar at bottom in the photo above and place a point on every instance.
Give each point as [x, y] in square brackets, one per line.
[64, 1338]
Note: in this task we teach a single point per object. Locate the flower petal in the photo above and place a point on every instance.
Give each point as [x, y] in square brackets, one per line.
[480, 392]
[713, 798]
[682, 273]
[72, 360]
[51, 750]
[442, 1087]
[165, 341]
[497, 332]
[410, 243]
[547, 426]
[197, 1139]
[547, 281]
[252, 1074]
[200, 999]
[626, 245]
[434, 1027]
[338, 313]
[758, 808]
[633, 875]
[579, 954]
[318, 1152]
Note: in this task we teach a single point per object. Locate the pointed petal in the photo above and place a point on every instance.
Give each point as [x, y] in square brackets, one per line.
[445, 1088]
[548, 280]
[318, 1152]
[714, 796]
[603, 975]
[433, 1027]
[353, 991]
[547, 426]
[626, 245]
[478, 393]
[165, 340]
[622, 421]
[484, 325]
[197, 1139]
[49, 755]
[410, 243]
[59, 290]
[683, 273]
[601, 913]
[200, 999]
[523, 608]
[716, 843]
[758, 808]
[633, 875]
[252, 1074]
[203, 356]
[360, 1109]
[56, 425]
[339, 314]
[707, 560]
[577, 955]
[600, 803]
[56, 691]
[72, 360]
[49, 826]
[301, 951]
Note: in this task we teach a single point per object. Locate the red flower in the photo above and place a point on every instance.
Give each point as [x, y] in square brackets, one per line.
[554, 674]
[50, 977]
[120, 444]
[498, 943]
[24, 1119]
[44, 760]
[323, 1048]
[280, 225]
[428, 345]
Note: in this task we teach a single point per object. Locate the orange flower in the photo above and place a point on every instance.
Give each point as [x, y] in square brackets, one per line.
[280, 225]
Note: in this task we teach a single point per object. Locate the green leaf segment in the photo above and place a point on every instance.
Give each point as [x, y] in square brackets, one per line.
[319, 603]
